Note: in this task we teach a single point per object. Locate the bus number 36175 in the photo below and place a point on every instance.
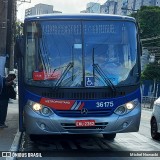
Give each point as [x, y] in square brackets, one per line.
[104, 104]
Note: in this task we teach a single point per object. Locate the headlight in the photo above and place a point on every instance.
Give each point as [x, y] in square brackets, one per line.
[129, 106]
[46, 111]
[39, 108]
[124, 109]
[120, 110]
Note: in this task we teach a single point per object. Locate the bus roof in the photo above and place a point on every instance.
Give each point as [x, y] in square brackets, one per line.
[81, 16]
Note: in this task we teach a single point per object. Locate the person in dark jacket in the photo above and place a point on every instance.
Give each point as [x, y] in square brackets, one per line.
[4, 98]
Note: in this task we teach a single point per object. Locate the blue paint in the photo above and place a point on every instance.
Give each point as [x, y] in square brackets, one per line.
[91, 104]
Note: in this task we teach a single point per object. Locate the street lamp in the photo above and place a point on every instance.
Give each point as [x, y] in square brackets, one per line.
[123, 8]
[129, 9]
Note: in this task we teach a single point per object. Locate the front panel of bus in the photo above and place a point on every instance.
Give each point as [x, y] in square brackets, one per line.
[81, 76]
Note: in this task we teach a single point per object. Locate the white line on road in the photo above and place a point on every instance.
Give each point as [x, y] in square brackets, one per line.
[15, 145]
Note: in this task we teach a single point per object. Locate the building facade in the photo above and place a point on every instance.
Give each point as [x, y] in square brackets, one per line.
[39, 9]
[93, 7]
[126, 7]
[120, 7]
[109, 7]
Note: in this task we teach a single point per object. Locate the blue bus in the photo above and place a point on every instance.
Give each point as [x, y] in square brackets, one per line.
[80, 74]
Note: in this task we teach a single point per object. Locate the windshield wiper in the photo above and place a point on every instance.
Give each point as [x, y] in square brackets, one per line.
[102, 74]
[69, 66]
[104, 77]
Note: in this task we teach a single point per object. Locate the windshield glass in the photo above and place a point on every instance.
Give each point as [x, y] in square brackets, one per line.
[65, 53]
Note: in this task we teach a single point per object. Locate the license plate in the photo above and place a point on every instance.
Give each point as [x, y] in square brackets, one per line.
[85, 123]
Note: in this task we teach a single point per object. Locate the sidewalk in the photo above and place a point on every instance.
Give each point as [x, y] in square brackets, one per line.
[7, 135]
[147, 106]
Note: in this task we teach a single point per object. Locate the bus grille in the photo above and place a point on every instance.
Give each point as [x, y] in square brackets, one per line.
[72, 126]
[82, 95]
[77, 113]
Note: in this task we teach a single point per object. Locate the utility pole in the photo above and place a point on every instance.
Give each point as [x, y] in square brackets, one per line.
[11, 28]
[8, 13]
[11, 34]
[3, 26]
[3, 31]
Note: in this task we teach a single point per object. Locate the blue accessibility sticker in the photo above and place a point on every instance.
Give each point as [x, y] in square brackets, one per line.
[89, 81]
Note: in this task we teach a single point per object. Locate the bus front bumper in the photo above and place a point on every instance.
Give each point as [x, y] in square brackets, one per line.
[54, 124]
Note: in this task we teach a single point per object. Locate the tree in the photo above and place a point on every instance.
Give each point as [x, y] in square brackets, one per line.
[148, 17]
[151, 72]
[19, 29]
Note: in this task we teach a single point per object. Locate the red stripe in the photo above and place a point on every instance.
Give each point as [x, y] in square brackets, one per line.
[81, 106]
[57, 104]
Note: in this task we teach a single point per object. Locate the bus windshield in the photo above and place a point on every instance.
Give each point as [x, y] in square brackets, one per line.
[65, 53]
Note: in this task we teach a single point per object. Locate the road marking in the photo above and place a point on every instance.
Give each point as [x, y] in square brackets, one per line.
[15, 145]
[147, 140]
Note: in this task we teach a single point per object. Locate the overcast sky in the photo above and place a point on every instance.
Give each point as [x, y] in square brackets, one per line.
[65, 6]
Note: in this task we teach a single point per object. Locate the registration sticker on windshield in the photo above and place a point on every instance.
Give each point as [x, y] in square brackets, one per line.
[38, 76]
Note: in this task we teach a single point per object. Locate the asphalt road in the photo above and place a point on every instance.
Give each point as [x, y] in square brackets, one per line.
[145, 123]
[125, 145]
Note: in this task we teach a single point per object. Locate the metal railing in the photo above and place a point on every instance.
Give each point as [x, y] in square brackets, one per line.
[147, 102]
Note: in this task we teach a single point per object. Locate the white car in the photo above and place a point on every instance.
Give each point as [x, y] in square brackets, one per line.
[155, 120]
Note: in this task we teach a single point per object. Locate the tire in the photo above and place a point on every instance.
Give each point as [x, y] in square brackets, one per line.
[109, 136]
[154, 134]
[33, 137]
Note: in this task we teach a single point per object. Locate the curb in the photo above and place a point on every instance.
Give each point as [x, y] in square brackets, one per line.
[15, 146]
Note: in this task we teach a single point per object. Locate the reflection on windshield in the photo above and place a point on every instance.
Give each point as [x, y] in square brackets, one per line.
[69, 66]
[52, 45]
[117, 62]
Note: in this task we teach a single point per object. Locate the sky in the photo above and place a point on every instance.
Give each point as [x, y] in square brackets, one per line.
[65, 6]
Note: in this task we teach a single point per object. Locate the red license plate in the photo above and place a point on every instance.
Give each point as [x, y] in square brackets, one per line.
[85, 123]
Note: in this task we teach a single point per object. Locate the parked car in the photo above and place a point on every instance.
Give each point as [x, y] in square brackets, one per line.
[155, 120]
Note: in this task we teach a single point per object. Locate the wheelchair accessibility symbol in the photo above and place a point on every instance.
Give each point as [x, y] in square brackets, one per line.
[89, 81]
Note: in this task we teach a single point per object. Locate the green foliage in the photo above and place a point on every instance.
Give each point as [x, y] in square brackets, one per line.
[151, 72]
[149, 20]
[19, 30]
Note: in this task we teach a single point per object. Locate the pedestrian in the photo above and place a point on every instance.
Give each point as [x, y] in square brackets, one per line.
[7, 92]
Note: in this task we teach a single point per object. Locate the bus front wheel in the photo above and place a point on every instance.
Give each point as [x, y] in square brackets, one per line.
[33, 137]
[109, 136]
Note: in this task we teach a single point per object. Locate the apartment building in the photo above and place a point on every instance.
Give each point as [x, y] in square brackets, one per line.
[126, 7]
[121, 7]
[109, 7]
[93, 7]
[39, 9]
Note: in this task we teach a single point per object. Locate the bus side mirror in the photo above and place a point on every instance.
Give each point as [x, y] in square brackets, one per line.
[1, 83]
[19, 47]
[39, 28]
[140, 48]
